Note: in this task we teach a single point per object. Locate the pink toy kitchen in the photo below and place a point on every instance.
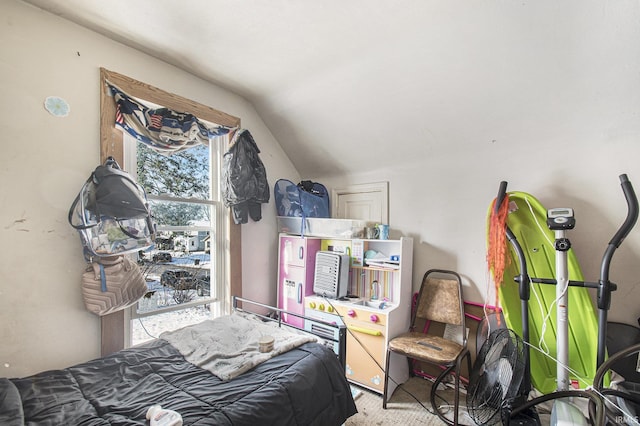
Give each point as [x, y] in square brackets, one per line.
[365, 284]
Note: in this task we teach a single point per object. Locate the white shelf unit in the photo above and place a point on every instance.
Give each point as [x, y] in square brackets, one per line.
[370, 327]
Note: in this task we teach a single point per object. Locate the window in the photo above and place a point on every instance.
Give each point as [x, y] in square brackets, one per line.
[185, 269]
[116, 326]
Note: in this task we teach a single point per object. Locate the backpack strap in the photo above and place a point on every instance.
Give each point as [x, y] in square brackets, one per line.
[75, 204]
[103, 279]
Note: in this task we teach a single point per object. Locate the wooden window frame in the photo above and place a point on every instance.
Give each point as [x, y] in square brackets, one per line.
[113, 326]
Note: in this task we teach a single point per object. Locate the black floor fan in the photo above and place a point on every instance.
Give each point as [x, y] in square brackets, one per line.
[496, 377]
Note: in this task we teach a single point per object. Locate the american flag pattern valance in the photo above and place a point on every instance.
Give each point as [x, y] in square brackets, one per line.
[162, 129]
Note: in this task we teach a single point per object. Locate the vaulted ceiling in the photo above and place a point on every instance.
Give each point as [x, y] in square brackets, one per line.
[351, 85]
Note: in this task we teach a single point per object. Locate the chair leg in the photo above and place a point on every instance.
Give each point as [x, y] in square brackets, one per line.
[456, 404]
[434, 387]
[466, 355]
[386, 380]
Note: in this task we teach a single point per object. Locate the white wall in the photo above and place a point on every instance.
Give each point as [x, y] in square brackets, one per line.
[548, 99]
[441, 199]
[46, 159]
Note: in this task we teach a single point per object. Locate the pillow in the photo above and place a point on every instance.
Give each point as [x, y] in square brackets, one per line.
[11, 412]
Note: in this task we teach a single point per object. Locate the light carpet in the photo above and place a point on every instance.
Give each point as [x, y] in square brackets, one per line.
[402, 408]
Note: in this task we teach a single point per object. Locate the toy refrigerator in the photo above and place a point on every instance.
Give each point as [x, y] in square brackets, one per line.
[297, 258]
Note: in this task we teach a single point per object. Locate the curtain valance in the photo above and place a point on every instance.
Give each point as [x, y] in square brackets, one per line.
[162, 129]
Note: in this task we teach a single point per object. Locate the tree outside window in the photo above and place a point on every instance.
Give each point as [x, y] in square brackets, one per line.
[180, 268]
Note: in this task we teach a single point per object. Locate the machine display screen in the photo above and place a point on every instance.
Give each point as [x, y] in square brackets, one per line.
[560, 212]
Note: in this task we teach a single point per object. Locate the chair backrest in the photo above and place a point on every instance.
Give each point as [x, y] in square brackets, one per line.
[440, 299]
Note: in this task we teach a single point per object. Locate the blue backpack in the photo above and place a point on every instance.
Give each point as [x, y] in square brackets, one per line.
[306, 199]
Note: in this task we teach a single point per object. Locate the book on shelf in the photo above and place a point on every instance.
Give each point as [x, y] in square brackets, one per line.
[382, 263]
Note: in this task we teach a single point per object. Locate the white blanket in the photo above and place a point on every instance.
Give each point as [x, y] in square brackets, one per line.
[228, 346]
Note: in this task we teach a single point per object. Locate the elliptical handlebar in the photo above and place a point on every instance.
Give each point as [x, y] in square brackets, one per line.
[524, 287]
[632, 214]
[502, 192]
[523, 278]
[606, 287]
[623, 231]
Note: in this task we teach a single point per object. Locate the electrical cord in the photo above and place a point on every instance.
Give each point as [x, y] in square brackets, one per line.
[145, 329]
[352, 334]
[547, 316]
[363, 346]
[585, 381]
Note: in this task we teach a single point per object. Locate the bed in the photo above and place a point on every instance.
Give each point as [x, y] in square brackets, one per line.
[303, 385]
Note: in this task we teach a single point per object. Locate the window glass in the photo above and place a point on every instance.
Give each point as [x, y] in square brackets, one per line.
[148, 328]
[172, 213]
[184, 174]
[183, 270]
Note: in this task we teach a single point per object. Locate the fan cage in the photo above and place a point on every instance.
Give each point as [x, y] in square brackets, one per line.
[496, 376]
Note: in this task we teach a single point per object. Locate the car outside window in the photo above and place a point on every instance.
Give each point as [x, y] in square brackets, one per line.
[184, 269]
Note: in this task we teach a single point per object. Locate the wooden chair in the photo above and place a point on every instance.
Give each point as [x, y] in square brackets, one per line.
[440, 300]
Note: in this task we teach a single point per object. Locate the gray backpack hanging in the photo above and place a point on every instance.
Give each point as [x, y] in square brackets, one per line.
[111, 213]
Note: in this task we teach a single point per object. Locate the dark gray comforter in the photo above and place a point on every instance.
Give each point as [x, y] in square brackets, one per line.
[305, 386]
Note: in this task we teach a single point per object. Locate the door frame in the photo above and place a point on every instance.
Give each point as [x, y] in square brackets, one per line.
[363, 188]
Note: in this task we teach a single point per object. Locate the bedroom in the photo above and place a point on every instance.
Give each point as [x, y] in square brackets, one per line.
[542, 95]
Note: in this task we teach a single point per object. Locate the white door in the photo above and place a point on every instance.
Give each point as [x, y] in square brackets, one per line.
[367, 202]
